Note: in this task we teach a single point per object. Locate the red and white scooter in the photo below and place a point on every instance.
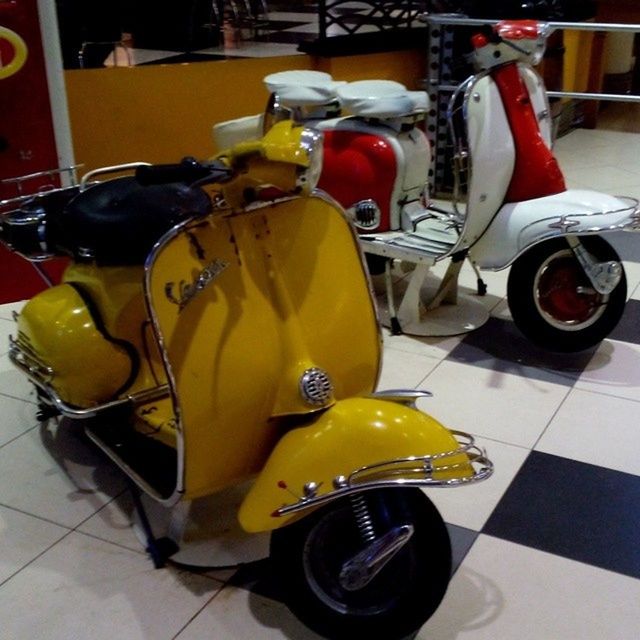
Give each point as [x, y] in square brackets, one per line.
[566, 287]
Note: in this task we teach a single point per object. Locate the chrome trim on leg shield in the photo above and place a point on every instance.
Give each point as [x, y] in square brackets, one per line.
[42, 375]
[414, 471]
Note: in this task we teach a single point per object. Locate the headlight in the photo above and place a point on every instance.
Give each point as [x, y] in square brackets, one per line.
[311, 143]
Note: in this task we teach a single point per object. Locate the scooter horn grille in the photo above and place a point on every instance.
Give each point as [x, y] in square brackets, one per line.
[315, 387]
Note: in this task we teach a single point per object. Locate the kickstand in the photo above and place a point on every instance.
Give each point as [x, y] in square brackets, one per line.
[158, 548]
[481, 284]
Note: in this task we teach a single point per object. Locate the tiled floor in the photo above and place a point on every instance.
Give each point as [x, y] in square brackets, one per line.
[545, 549]
[280, 35]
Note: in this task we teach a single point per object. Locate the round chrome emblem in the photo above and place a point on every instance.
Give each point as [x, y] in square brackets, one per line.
[315, 387]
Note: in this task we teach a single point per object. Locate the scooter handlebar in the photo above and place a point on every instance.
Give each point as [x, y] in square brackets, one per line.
[189, 170]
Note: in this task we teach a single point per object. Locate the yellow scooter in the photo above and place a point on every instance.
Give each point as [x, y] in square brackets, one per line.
[216, 330]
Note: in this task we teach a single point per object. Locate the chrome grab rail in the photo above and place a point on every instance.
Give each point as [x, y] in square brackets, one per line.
[401, 472]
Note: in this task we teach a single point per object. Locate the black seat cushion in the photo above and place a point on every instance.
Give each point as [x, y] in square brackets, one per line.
[119, 221]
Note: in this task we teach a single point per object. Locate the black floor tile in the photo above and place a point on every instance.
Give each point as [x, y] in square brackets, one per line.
[628, 329]
[461, 541]
[279, 25]
[572, 509]
[498, 345]
[185, 57]
[285, 37]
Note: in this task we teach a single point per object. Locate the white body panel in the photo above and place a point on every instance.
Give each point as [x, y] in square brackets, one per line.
[491, 154]
[519, 225]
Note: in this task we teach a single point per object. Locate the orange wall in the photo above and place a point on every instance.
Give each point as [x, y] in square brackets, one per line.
[160, 113]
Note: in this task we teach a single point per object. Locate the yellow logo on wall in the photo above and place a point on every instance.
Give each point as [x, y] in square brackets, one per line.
[19, 53]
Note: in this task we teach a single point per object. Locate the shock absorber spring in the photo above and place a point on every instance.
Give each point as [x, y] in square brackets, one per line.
[363, 517]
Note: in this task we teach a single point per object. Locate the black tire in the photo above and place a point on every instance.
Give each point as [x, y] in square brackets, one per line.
[546, 305]
[309, 554]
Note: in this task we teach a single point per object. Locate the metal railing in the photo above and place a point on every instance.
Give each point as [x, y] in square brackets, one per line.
[440, 82]
[346, 17]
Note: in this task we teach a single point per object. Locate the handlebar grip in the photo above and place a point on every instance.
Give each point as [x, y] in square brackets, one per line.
[187, 171]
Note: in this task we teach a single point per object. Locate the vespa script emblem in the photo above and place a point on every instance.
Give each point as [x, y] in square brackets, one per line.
[188, 291]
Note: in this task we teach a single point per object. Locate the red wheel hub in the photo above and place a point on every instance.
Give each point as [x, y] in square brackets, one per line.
[559, 293]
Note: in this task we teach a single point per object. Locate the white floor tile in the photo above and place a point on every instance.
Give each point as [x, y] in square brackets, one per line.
[236, 614]
[18, 416]
[13, 383]
[504, 591]
[499, 406]
[502, 311]
[7, 309]
[23, 538]
[576, 154]
[437, 348]
[597, 429]
[7, 328]
[604, 178]
[57, 476]
[293, 16]
[404, 370]
[86, 588]
[632, 272]
[113, 524]
[614, 370]
[470, 506]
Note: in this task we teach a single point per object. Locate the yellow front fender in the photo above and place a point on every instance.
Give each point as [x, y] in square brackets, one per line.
[353, 434]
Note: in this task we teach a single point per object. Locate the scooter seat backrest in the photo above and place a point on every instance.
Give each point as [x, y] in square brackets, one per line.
[118, 222]
[381, 99]
[302, 88]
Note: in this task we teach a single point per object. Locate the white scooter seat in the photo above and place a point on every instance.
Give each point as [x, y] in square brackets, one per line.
[302, 88]
[381, 99]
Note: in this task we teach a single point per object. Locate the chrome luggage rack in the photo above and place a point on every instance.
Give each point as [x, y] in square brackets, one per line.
[404, 472]
[41, 376]
[67, 176]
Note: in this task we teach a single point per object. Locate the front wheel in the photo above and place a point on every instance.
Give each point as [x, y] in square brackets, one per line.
[315, 560]
[553, 302]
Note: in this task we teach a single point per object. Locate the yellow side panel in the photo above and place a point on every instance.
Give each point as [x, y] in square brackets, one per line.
[289, 293]
[58, 329]
[118, 293]
[354, 433]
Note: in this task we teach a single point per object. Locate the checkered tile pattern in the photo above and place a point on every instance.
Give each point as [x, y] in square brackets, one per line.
[277, 35]
[545, 549]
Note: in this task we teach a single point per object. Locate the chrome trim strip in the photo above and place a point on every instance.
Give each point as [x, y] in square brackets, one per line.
[401, 396]
[393, 473]
[38, 374]
[128, 166]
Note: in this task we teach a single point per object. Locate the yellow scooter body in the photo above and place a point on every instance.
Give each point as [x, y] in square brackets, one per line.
[243, 306]
[375, 438]
[92, 334]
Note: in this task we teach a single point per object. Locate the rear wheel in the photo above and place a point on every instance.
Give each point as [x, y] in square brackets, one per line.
[553, 302]
[310, 558]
